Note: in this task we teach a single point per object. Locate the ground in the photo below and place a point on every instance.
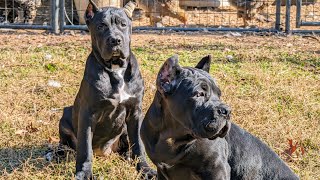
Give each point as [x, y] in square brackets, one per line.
[272, 84]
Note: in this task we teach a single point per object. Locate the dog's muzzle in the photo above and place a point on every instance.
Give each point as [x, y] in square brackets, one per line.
[223, 132]
[220, 125]
[116, 45]
[115, 41]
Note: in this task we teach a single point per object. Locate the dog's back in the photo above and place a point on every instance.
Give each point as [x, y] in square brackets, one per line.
[250, 158]
[250, 9]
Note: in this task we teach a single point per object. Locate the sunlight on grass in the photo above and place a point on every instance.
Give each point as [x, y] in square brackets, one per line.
[273, 93]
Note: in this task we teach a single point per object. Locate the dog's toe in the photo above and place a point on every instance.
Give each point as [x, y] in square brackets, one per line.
[148, 173]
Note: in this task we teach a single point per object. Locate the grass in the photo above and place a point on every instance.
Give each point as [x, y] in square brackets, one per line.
[271, 83]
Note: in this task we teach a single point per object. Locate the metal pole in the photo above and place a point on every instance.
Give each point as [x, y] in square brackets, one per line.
[288, 5]
[25, 26]
[202, 29]
[55, 16]
[306, 31]
[278, 14]
[61, 17]
[141, 28]
[298, 17]
[76, 27]
[309, 23]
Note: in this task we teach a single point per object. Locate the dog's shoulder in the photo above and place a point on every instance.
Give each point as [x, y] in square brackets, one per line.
[132, 72]
[154, 115]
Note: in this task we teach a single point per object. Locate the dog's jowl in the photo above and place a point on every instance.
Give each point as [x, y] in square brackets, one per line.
[107, 112]
[188, 134]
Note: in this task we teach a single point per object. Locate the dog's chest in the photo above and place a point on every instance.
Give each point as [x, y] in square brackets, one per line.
[174, 146]
[122, 92]
[111, 85]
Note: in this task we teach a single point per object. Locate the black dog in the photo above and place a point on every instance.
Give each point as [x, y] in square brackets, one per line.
[107, 107]
[188, 134]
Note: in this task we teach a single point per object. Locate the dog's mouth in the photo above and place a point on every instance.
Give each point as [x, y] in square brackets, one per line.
[117, 59]
[117, 54]
[222, 133]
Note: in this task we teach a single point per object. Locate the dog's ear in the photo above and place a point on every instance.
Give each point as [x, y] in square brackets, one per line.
[129, 8]
[91, 10]
[204, 63]
[167, 75]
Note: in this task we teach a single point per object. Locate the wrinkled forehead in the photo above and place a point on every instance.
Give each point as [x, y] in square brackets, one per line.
[195, 76]
[113, 13]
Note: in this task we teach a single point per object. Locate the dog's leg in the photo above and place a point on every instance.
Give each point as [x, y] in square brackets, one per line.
[134, 123]
[172, 9]
[123, 146]
[66, 132]
[155, 19]
[84, 146]
[161, 176]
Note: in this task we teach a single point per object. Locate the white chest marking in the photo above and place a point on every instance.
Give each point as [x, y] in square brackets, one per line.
[122, 93]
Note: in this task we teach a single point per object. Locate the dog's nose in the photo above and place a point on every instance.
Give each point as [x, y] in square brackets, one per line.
[210, 127]
[115, 41]
[224, 110]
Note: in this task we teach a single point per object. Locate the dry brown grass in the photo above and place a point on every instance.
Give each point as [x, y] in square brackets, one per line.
[272, 84]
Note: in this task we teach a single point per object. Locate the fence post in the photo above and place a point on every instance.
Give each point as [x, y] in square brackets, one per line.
[298, 17]
[62, 15]
[55, 16]
[278, 14]
[288, 7]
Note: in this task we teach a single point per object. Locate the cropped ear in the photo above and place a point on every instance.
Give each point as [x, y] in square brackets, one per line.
[204, 63]
[167, 75]
[129, 8]
[91, 10]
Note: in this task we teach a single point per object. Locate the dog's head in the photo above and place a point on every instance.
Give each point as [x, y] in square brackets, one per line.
[192, 97]
[110, 30]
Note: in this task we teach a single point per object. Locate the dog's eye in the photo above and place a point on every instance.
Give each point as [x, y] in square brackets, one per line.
[204, 86]
[102, 27]
[123, 24]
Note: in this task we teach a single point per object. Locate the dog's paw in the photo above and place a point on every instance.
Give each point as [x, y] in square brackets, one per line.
[148, 173]
[82, 175]
[49, 155]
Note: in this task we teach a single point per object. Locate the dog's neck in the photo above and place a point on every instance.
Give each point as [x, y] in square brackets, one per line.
[111, 65]
[165, 134]
[172, 126]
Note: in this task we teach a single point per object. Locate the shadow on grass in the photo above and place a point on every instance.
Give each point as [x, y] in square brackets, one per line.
[18, 158]
[311, 64]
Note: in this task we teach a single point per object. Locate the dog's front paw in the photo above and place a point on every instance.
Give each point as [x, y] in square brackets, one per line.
[82, 175]
[148, 173]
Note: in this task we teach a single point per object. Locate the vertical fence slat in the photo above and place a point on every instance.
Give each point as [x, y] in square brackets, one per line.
[61, 17]
[55, 16]
[298, 15]
[278, 15]
[6, 10]
[288, 7]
